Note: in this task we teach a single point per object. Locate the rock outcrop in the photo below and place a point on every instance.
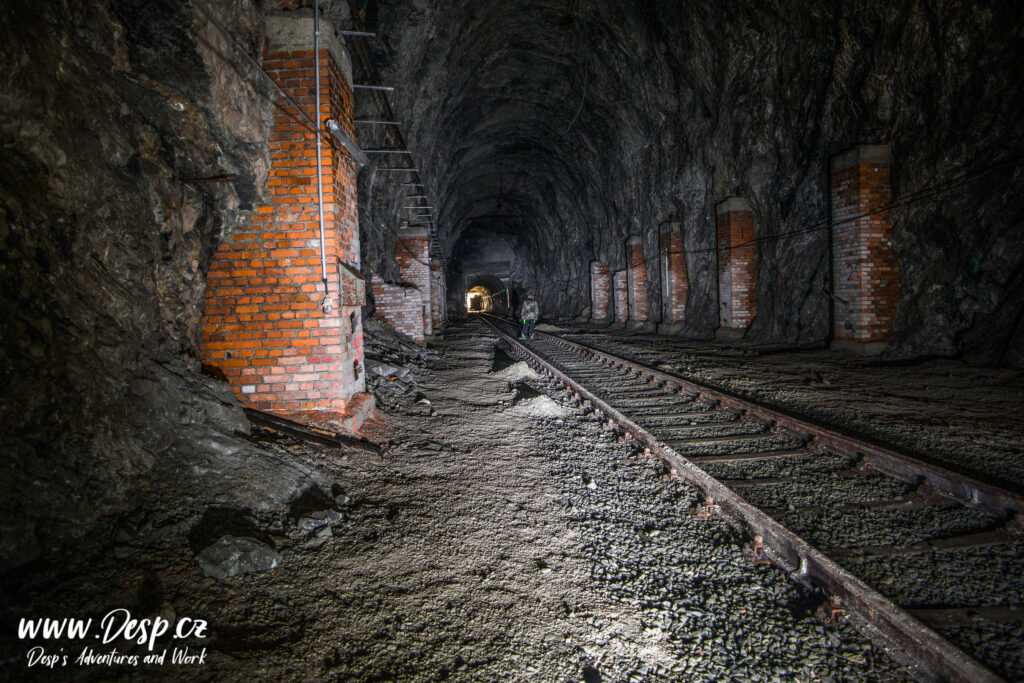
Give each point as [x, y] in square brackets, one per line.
[108, 110]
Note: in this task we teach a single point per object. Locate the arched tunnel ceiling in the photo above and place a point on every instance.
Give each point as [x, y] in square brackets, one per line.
[574, 115]
[513, 105]
[576, 123]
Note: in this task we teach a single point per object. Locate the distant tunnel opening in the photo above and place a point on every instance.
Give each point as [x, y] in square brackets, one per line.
[479, 300]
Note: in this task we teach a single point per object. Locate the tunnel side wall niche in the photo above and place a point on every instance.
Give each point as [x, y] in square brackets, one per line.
[264, 325]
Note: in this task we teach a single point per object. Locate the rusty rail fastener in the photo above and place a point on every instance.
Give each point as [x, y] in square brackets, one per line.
[831, 612]
[707, 509]
[758, 553]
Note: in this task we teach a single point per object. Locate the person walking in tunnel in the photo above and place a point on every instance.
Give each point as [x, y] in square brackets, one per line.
[529, 312]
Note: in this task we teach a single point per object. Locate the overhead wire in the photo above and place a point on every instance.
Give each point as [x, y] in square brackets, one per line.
[305, 119]
[925, 193]
[292, 107]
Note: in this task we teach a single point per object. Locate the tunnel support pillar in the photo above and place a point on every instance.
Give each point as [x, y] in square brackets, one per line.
[438, 295]
[399, 305]
[737, 268]
[674, 280]
[284, 344]
[620, 289]
[600, 293]
[636, 283]
[412, 253]
[864, 268]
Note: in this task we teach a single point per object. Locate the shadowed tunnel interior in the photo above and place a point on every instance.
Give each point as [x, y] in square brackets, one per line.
[561, 128]
[812, 204]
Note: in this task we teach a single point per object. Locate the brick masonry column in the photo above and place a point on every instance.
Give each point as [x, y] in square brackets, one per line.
[637, 281]
[675, 287]
[737, 268]
[400, 306]
[412, 253]
[264, 325]
[620, 285]
[864, 268]
[436, 295]
[600, 286]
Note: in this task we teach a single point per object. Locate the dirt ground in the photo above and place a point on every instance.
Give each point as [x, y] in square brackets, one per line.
[495, 534]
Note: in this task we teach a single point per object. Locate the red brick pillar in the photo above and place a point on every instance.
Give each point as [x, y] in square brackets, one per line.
[400, 306]
[436, 295]
[600, 284]
[620, 285]
[264, 323]
[675, 287]
[864, 269]
[412, 252]
[636, 281]
[737, 268]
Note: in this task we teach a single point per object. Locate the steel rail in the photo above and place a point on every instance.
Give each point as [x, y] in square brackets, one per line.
[983, 495]
[933, 657]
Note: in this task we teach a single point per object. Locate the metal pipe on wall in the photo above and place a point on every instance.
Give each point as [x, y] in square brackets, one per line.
[319, 153]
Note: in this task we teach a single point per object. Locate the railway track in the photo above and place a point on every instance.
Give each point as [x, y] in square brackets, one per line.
[906, 548]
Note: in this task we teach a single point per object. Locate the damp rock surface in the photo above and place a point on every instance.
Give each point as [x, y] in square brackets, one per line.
[547, 134]
[109, 108]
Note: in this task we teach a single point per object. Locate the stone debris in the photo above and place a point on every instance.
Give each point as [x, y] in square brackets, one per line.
[540, 406]
[232, 556]
[318, 519]
[392, 363]
[384, 370]
[518, 371]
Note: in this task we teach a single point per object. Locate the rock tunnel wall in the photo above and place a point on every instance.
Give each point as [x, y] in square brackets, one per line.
[585, 123]
[108, 109]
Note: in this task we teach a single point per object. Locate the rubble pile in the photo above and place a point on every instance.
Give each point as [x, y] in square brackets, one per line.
[392, 362]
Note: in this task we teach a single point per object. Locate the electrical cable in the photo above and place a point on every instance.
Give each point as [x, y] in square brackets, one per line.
[306, 120]
[925, 193]
[325, 136]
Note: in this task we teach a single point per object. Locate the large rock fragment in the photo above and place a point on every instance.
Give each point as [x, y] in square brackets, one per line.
[231, 556]
[320, 518]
